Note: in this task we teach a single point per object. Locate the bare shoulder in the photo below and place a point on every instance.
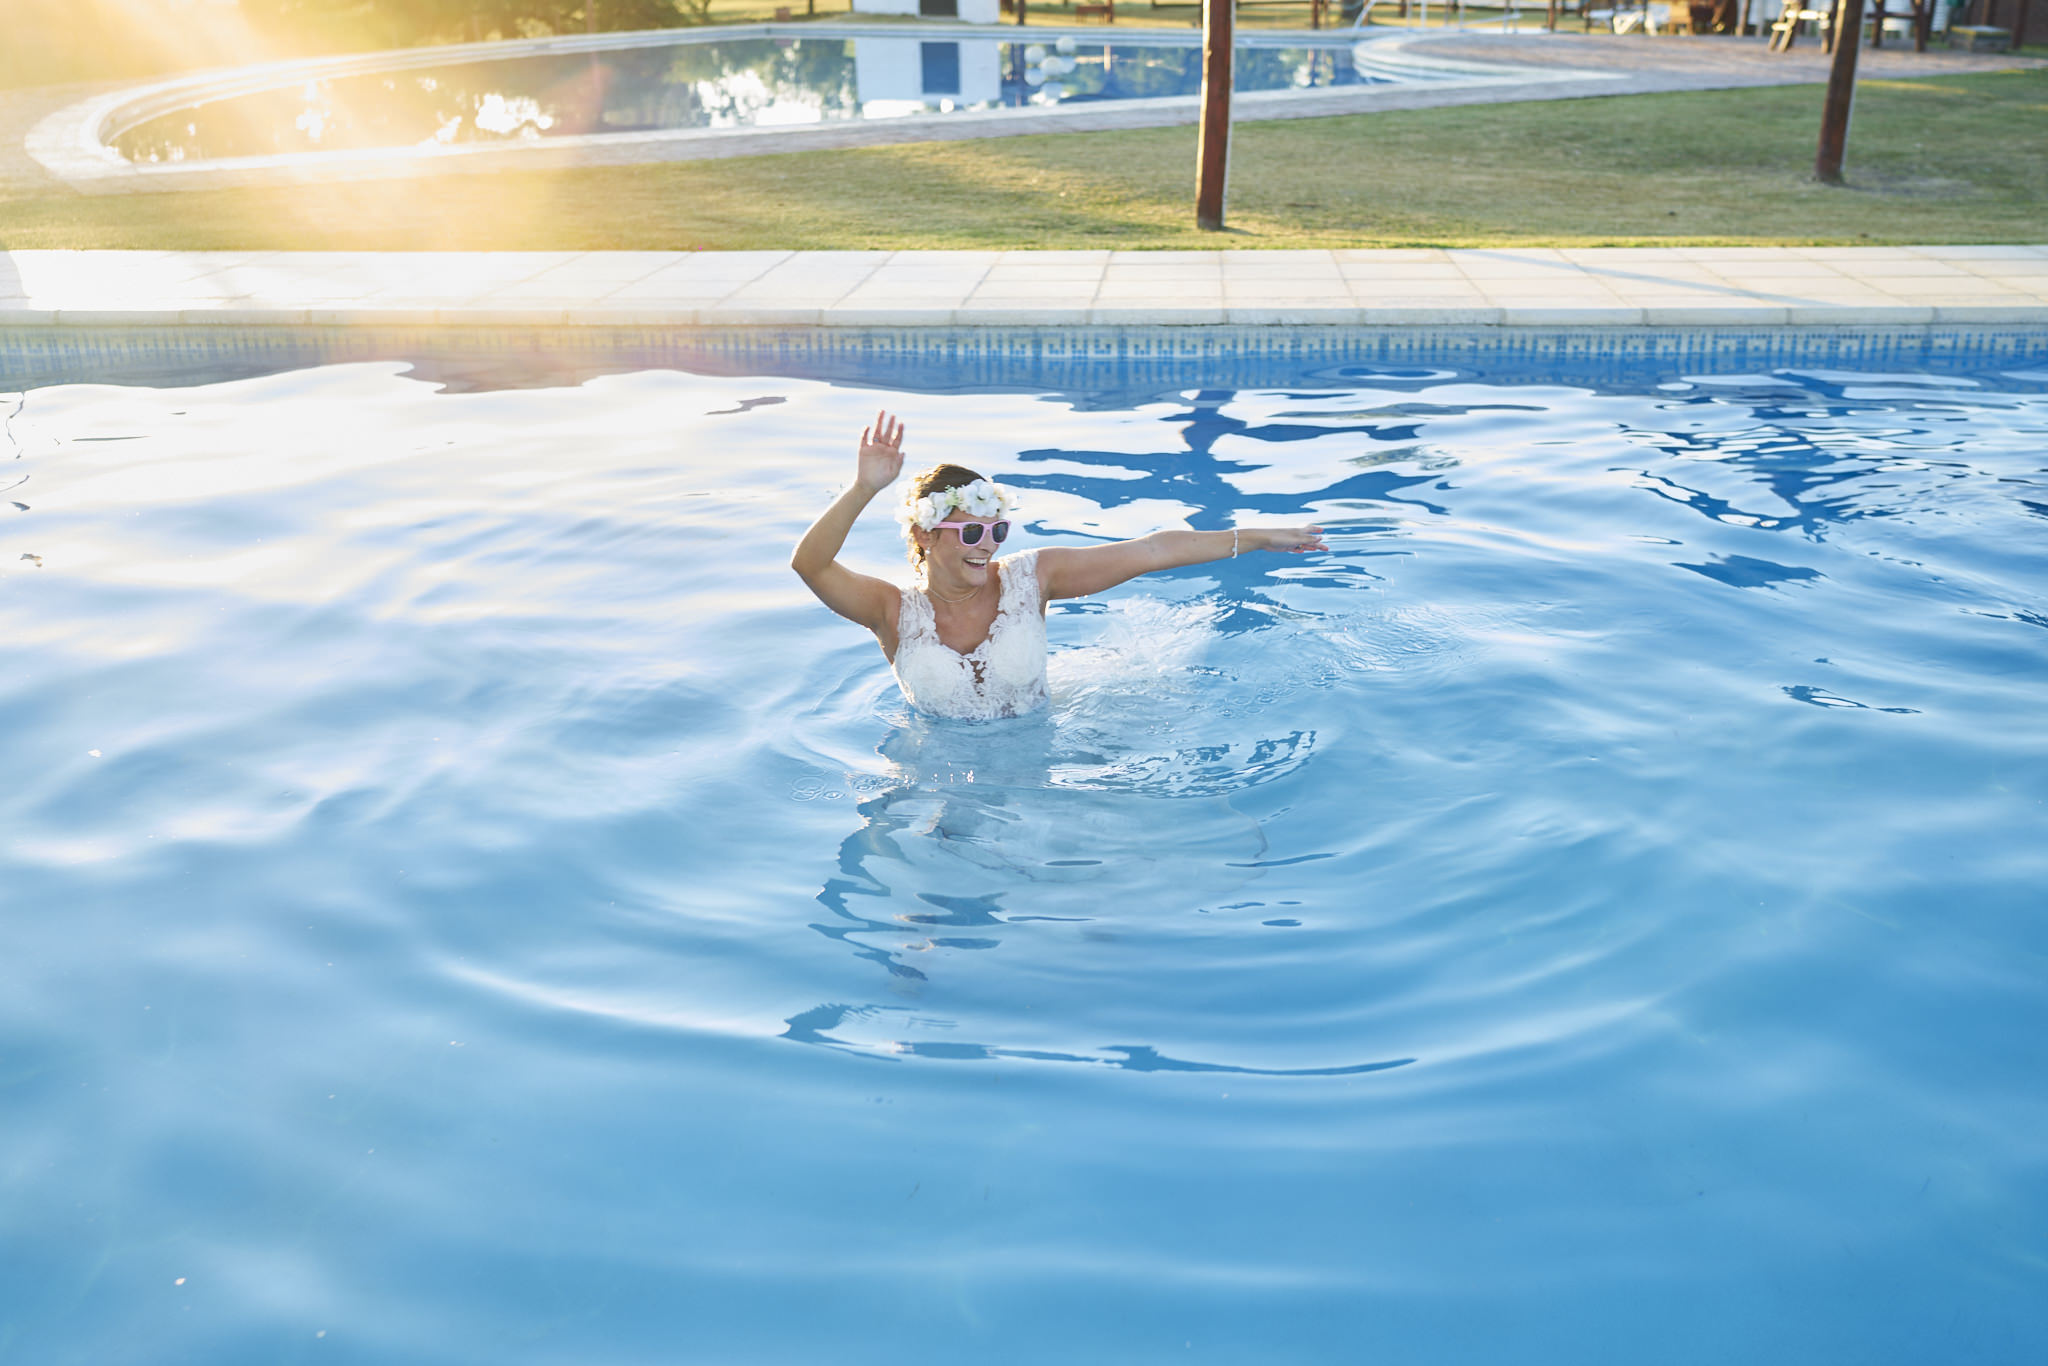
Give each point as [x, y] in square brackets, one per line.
[1046, 565]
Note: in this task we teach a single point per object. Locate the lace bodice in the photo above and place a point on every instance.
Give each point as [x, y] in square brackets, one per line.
[1002, 676]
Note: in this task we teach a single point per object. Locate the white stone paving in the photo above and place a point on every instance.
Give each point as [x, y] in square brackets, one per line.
[1678, 286]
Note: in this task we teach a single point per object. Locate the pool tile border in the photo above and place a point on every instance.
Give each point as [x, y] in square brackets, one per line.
[1079, 357]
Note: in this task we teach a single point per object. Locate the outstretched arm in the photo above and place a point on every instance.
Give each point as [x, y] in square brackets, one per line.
[1076, 571]
[857, 597]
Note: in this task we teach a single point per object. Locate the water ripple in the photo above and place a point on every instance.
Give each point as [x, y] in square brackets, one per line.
[420, 790]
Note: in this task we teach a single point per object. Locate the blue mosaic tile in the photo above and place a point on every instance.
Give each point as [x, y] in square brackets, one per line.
[1027, 358]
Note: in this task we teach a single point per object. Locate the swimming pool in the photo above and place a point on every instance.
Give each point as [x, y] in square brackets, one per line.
[465, 900]
[692, 83]
[616, 98]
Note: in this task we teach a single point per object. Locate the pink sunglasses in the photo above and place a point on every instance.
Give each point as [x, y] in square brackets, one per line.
[970, 532]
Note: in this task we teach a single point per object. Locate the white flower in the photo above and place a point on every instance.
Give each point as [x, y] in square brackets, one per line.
[982, 498]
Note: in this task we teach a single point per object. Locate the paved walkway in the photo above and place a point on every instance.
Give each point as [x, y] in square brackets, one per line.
[1676, 286]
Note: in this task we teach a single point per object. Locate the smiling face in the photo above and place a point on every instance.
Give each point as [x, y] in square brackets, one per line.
[937, 553]
[950, 564]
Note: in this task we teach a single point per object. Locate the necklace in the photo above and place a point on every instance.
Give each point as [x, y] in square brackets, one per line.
[931, 592]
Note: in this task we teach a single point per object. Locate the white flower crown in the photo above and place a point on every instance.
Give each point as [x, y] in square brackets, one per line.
[982, 498]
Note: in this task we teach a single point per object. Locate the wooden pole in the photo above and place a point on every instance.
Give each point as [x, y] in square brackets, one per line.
[1212, 154]
[2019, 25]
[1550, 18]
[1834, 117]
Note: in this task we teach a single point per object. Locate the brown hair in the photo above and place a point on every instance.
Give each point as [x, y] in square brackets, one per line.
[931, 481]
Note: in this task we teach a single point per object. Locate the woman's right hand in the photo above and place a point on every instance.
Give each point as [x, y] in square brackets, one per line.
[881, 453]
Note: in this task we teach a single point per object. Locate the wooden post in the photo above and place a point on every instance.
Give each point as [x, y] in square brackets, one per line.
[1212, 154]
[1550, 19]
[2019, 24]
[1834, 118]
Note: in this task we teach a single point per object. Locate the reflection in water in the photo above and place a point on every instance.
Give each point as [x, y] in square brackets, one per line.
[1029, 838]
[1483, 916]
[1207, 480]
[425, 792]
[1821, 697]
[983, 825]
[1002, 836]
[1100, 822]
[817, 1026]
[731, 83]
[1829, 453]
[1743, 571]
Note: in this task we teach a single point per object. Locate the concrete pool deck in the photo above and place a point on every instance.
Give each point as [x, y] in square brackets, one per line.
[1506, 287]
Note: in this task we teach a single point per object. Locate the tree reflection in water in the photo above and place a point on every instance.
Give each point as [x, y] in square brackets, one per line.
[729, 83]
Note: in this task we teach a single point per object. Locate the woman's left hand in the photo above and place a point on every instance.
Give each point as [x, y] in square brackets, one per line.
[1294, 540]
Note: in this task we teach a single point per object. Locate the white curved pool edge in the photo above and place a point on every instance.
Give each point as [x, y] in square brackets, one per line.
[74, 143]
[1931, 286]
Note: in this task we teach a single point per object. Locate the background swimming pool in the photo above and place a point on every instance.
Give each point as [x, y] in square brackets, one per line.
[464, 901]
[724, 83]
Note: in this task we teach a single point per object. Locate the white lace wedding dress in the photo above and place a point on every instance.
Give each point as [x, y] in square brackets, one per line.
[1002, 676]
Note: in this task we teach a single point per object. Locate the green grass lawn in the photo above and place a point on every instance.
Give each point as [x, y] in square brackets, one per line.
[1947, 159]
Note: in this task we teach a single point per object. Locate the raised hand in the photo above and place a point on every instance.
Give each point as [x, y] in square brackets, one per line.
[1293, 540]
[881, 453]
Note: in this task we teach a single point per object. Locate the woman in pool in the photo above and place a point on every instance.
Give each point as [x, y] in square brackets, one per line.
[968, 639]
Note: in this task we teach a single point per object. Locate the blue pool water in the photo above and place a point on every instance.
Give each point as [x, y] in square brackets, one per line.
[692, 83]
[464, 901]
